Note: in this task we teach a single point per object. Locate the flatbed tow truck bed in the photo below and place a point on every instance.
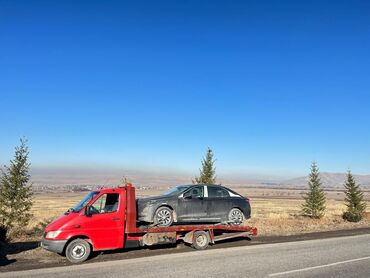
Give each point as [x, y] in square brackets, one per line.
[151, 235]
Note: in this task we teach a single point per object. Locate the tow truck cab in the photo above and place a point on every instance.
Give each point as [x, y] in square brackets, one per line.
[99, 218]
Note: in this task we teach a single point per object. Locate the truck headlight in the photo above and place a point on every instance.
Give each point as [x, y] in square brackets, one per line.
[52, 234]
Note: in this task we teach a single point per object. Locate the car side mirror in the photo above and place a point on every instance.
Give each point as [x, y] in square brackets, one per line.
[188, 196]
[88, 211]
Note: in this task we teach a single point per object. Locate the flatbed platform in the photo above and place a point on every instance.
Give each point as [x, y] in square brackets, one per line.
[186, 228]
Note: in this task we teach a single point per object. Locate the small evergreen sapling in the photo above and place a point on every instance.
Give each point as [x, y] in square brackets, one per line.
[207, 174]
[314, 205]
[354, 200]
[16, 191]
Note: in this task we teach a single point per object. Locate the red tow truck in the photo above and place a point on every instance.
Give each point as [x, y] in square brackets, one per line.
[79, 232]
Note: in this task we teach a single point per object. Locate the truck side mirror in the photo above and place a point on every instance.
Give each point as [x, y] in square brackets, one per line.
[88, 212]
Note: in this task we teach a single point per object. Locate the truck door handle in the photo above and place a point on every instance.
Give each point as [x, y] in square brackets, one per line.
[116, 219]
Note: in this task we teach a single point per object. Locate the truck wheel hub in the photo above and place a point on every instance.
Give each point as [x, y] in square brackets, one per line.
[78, 251]
[201, 240]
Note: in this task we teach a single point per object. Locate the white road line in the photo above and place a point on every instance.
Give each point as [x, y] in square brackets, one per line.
[316, 267]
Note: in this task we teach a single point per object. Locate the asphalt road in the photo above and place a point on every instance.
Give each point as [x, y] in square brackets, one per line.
[333, 257]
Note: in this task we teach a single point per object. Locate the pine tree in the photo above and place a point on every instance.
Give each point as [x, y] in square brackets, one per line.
[354, 200]
[207, 175]
[16, 190]
[314, 205]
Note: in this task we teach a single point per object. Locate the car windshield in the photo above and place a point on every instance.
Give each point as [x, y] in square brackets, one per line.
[84, 201]
[175, 190]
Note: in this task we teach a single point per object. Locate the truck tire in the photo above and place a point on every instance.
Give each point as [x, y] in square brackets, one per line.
[78, 251]
[200, 240]
[236, 217]
[163, 217]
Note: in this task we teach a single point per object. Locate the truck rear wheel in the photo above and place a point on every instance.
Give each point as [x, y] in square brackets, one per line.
[78, 251]
[200, 240]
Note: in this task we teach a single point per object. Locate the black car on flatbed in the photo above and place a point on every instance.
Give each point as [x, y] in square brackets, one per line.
[194, 203]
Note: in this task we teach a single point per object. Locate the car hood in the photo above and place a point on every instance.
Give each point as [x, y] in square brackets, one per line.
[152, 199]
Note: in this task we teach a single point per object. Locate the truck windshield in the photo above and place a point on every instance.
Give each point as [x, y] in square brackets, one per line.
[84, 201]
[175, 190]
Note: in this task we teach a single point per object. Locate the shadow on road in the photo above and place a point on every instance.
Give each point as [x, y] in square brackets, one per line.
[139, 252]
[4, 260]
[14, 248]
[180, 247]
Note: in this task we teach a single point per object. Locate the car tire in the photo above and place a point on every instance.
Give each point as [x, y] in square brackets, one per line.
[236, 217]
[200, 240]
[78, 251]
[163, 217]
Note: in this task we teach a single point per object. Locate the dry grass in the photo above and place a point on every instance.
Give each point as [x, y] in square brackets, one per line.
[282, 217]
[51, 205]
[271, 216]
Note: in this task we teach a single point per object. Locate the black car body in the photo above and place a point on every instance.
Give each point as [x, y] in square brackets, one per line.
[195, 203]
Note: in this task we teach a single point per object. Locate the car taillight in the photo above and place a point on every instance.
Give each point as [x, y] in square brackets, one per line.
[247, 199]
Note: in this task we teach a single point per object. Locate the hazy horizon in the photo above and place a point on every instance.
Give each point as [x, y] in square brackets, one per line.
[113, 176]
[119, 172]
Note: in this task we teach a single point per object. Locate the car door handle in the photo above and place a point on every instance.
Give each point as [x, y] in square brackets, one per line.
[116, 219]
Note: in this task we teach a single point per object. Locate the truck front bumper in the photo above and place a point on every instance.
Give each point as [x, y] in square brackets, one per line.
[56, 246]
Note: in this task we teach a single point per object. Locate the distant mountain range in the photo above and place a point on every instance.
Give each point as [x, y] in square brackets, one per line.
[85, 179]
[329, 180]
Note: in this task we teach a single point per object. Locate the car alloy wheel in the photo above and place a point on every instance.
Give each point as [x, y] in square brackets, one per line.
[163, 217]
[236, 217]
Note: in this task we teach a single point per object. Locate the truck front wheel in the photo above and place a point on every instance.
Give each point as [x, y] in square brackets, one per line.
[78, 251]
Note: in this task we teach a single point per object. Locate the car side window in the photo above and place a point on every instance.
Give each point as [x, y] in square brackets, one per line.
[106, 203]
[217, 192]
[195, 192]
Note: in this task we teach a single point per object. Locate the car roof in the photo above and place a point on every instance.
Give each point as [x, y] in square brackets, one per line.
[203, 184]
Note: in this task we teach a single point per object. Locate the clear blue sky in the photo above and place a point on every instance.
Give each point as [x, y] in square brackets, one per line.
[269, 85]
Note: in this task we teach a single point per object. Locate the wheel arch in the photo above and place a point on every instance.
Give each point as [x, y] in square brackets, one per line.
[167, 206]
[243, 210]
[237, 207]
[88, 240]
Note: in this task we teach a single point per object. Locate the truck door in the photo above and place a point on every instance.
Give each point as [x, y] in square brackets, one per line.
[192, 206]
[105, 224]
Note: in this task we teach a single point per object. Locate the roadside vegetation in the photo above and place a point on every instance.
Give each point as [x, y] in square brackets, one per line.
[207, 174]
[282, 217]
[354, 200]
[314, 200]
[15, 193]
